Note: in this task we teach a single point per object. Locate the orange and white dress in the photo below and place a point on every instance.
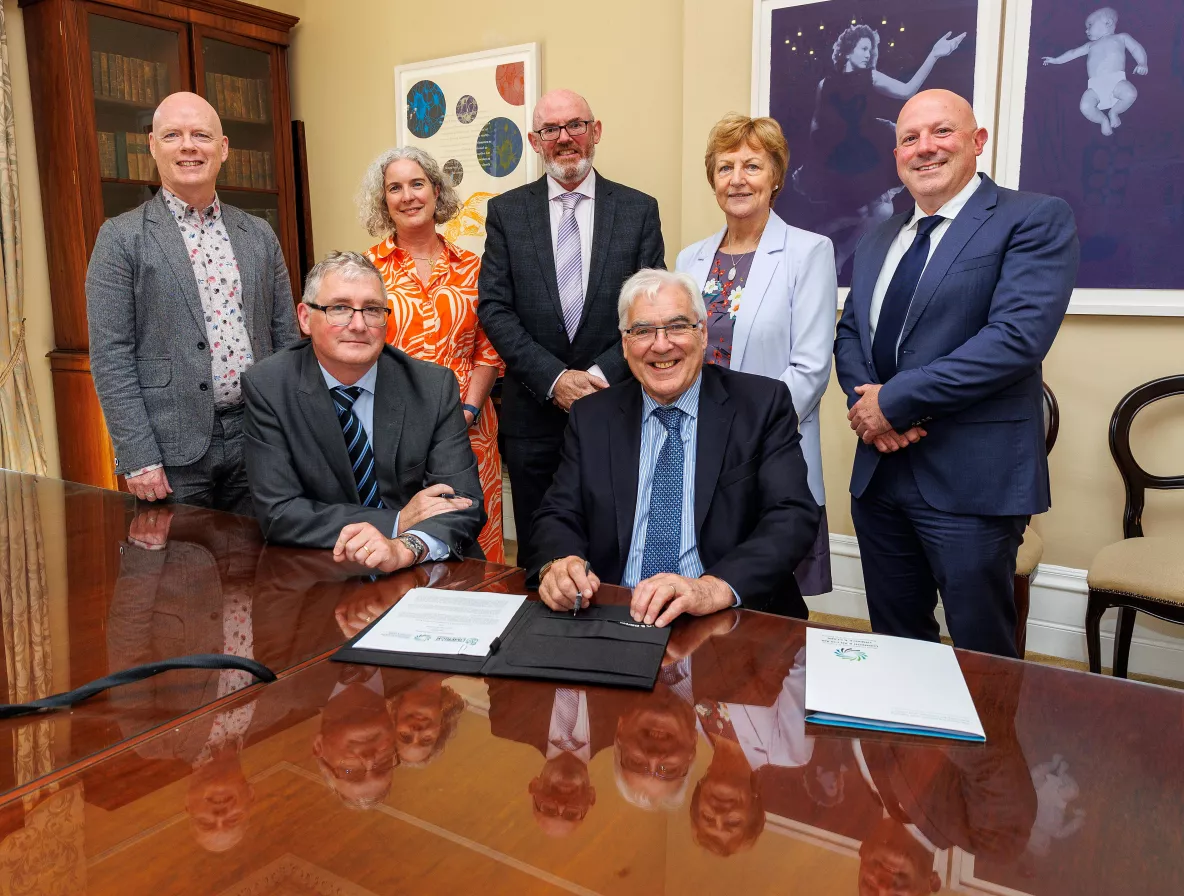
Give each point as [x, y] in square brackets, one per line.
[439, 324]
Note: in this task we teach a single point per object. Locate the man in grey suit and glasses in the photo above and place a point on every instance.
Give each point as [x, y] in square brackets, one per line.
[183, 295]
[556, 253]
[353, 445]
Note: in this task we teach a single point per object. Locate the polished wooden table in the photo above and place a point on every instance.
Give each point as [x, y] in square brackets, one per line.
[342, 779]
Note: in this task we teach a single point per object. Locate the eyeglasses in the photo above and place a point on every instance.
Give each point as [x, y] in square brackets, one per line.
[666, 771]
[358, 771]
[342, 315]
[554, 810]
[577, 127]
[674, 332]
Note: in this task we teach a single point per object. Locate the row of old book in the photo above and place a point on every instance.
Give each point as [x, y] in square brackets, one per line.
[125, 155]
[248, 168]
[235, 97]
[127, 78]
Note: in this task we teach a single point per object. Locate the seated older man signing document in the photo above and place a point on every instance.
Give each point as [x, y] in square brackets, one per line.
[687, 484]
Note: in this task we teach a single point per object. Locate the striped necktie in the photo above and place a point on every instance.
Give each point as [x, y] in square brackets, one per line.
[663, 533]
[569, 265]
[567, 713]
[361, 456]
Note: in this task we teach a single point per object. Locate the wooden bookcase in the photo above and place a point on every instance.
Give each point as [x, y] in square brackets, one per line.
[98, 68]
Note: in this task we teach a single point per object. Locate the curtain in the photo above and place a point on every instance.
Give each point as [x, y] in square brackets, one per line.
[21, 444]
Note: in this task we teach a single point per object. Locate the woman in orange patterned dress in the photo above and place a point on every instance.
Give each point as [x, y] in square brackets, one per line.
[432, 288]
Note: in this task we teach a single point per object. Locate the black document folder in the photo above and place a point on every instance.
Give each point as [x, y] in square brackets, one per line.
[599, 645]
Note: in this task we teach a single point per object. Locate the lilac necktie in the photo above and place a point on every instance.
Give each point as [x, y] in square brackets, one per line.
[569, 265]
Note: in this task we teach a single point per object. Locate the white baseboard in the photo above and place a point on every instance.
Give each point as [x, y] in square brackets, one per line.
[1056, 615]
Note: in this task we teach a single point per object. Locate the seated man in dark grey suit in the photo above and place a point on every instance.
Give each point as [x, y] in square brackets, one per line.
[343, 433]
[687, 484]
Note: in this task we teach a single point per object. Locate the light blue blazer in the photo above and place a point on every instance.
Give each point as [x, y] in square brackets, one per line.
[785, 327]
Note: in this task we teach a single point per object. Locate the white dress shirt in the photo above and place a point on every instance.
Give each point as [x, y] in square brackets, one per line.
[585, 219]
[776, 735]
[904, 239]
[364, 408]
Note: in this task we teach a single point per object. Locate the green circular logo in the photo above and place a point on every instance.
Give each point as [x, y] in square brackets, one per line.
[850, 653]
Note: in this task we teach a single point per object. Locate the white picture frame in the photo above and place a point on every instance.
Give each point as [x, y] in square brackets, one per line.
[1009, 133]
[464, 137]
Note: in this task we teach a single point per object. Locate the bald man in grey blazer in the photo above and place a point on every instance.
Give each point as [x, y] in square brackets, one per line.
[183, 295]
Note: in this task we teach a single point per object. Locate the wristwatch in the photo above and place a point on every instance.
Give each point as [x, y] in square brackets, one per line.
[475, 411]
[415, 545]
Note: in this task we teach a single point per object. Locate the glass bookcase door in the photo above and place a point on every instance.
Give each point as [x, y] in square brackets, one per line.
[238, 83]
[133, 67]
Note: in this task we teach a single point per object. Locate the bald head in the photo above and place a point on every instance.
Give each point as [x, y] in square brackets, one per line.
[937, 143]
[557, 106]
[189, 147]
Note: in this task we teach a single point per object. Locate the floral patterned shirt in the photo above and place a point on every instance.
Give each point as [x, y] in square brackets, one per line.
[221, 290]
[722, 294]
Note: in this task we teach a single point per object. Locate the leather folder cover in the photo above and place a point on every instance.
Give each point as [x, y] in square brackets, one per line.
[600, 645]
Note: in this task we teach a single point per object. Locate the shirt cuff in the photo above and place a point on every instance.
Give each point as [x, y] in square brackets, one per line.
[597, 372]
[735, 597]
[142, 471]
[551, 391]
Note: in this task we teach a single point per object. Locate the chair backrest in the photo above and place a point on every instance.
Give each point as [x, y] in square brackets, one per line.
[1052, 419]
[1135, 478]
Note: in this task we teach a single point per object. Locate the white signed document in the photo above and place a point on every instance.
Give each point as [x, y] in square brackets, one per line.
[882, 683]
[430, 620]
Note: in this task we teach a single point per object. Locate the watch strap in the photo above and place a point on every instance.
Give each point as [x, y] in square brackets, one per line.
[415, 544]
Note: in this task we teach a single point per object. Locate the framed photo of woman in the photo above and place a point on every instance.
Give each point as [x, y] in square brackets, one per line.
[835, 73]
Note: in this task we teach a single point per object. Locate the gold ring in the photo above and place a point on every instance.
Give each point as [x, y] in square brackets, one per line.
[366, 548]
[366, 617]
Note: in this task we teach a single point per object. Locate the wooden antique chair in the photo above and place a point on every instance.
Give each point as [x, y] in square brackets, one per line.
[1138, 573]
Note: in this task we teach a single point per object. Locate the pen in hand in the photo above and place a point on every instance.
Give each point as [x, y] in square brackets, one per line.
[580, 595]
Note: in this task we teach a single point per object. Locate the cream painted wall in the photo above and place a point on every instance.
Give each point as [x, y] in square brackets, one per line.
[658, 85]
[38, 317]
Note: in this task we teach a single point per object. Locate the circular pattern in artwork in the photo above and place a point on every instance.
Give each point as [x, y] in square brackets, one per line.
[511, 82]
[425, 108]
[499, 147]
[466, 109]
[455, 171]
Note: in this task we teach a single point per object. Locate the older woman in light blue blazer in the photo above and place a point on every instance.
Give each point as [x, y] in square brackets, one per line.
[770, 292]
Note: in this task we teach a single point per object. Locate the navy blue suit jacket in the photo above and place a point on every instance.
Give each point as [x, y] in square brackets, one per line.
[984, 316]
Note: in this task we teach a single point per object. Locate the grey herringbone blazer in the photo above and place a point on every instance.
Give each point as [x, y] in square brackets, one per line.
[148, 351]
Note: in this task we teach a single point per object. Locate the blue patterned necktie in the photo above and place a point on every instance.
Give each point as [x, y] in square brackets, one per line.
[361, 456]
[569, 265]
[895, 307]
[663, 534]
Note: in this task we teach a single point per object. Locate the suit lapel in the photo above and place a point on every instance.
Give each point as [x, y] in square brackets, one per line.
[321, 417]
[770, 255]
[388, 423]
[624, 457]
[867, 271]
[244, 256]
[714, 425]
[602, 232]
[976, 211]
[172, 245]
[539, 214]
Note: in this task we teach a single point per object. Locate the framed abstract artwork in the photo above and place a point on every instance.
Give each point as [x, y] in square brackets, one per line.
[1090, 104]
[472, 113]
[835, 74]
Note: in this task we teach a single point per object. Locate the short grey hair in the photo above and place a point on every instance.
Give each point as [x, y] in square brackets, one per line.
[647, 282]
[371, 200]
[349, 265]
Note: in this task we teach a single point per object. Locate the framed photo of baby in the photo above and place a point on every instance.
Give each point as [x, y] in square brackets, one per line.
[835, 74]
[1091, 112]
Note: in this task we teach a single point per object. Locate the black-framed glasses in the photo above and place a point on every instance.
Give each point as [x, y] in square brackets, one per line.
[343, 315]
[554, 810]
[674, 332]
[665, 771]
[577, 127]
